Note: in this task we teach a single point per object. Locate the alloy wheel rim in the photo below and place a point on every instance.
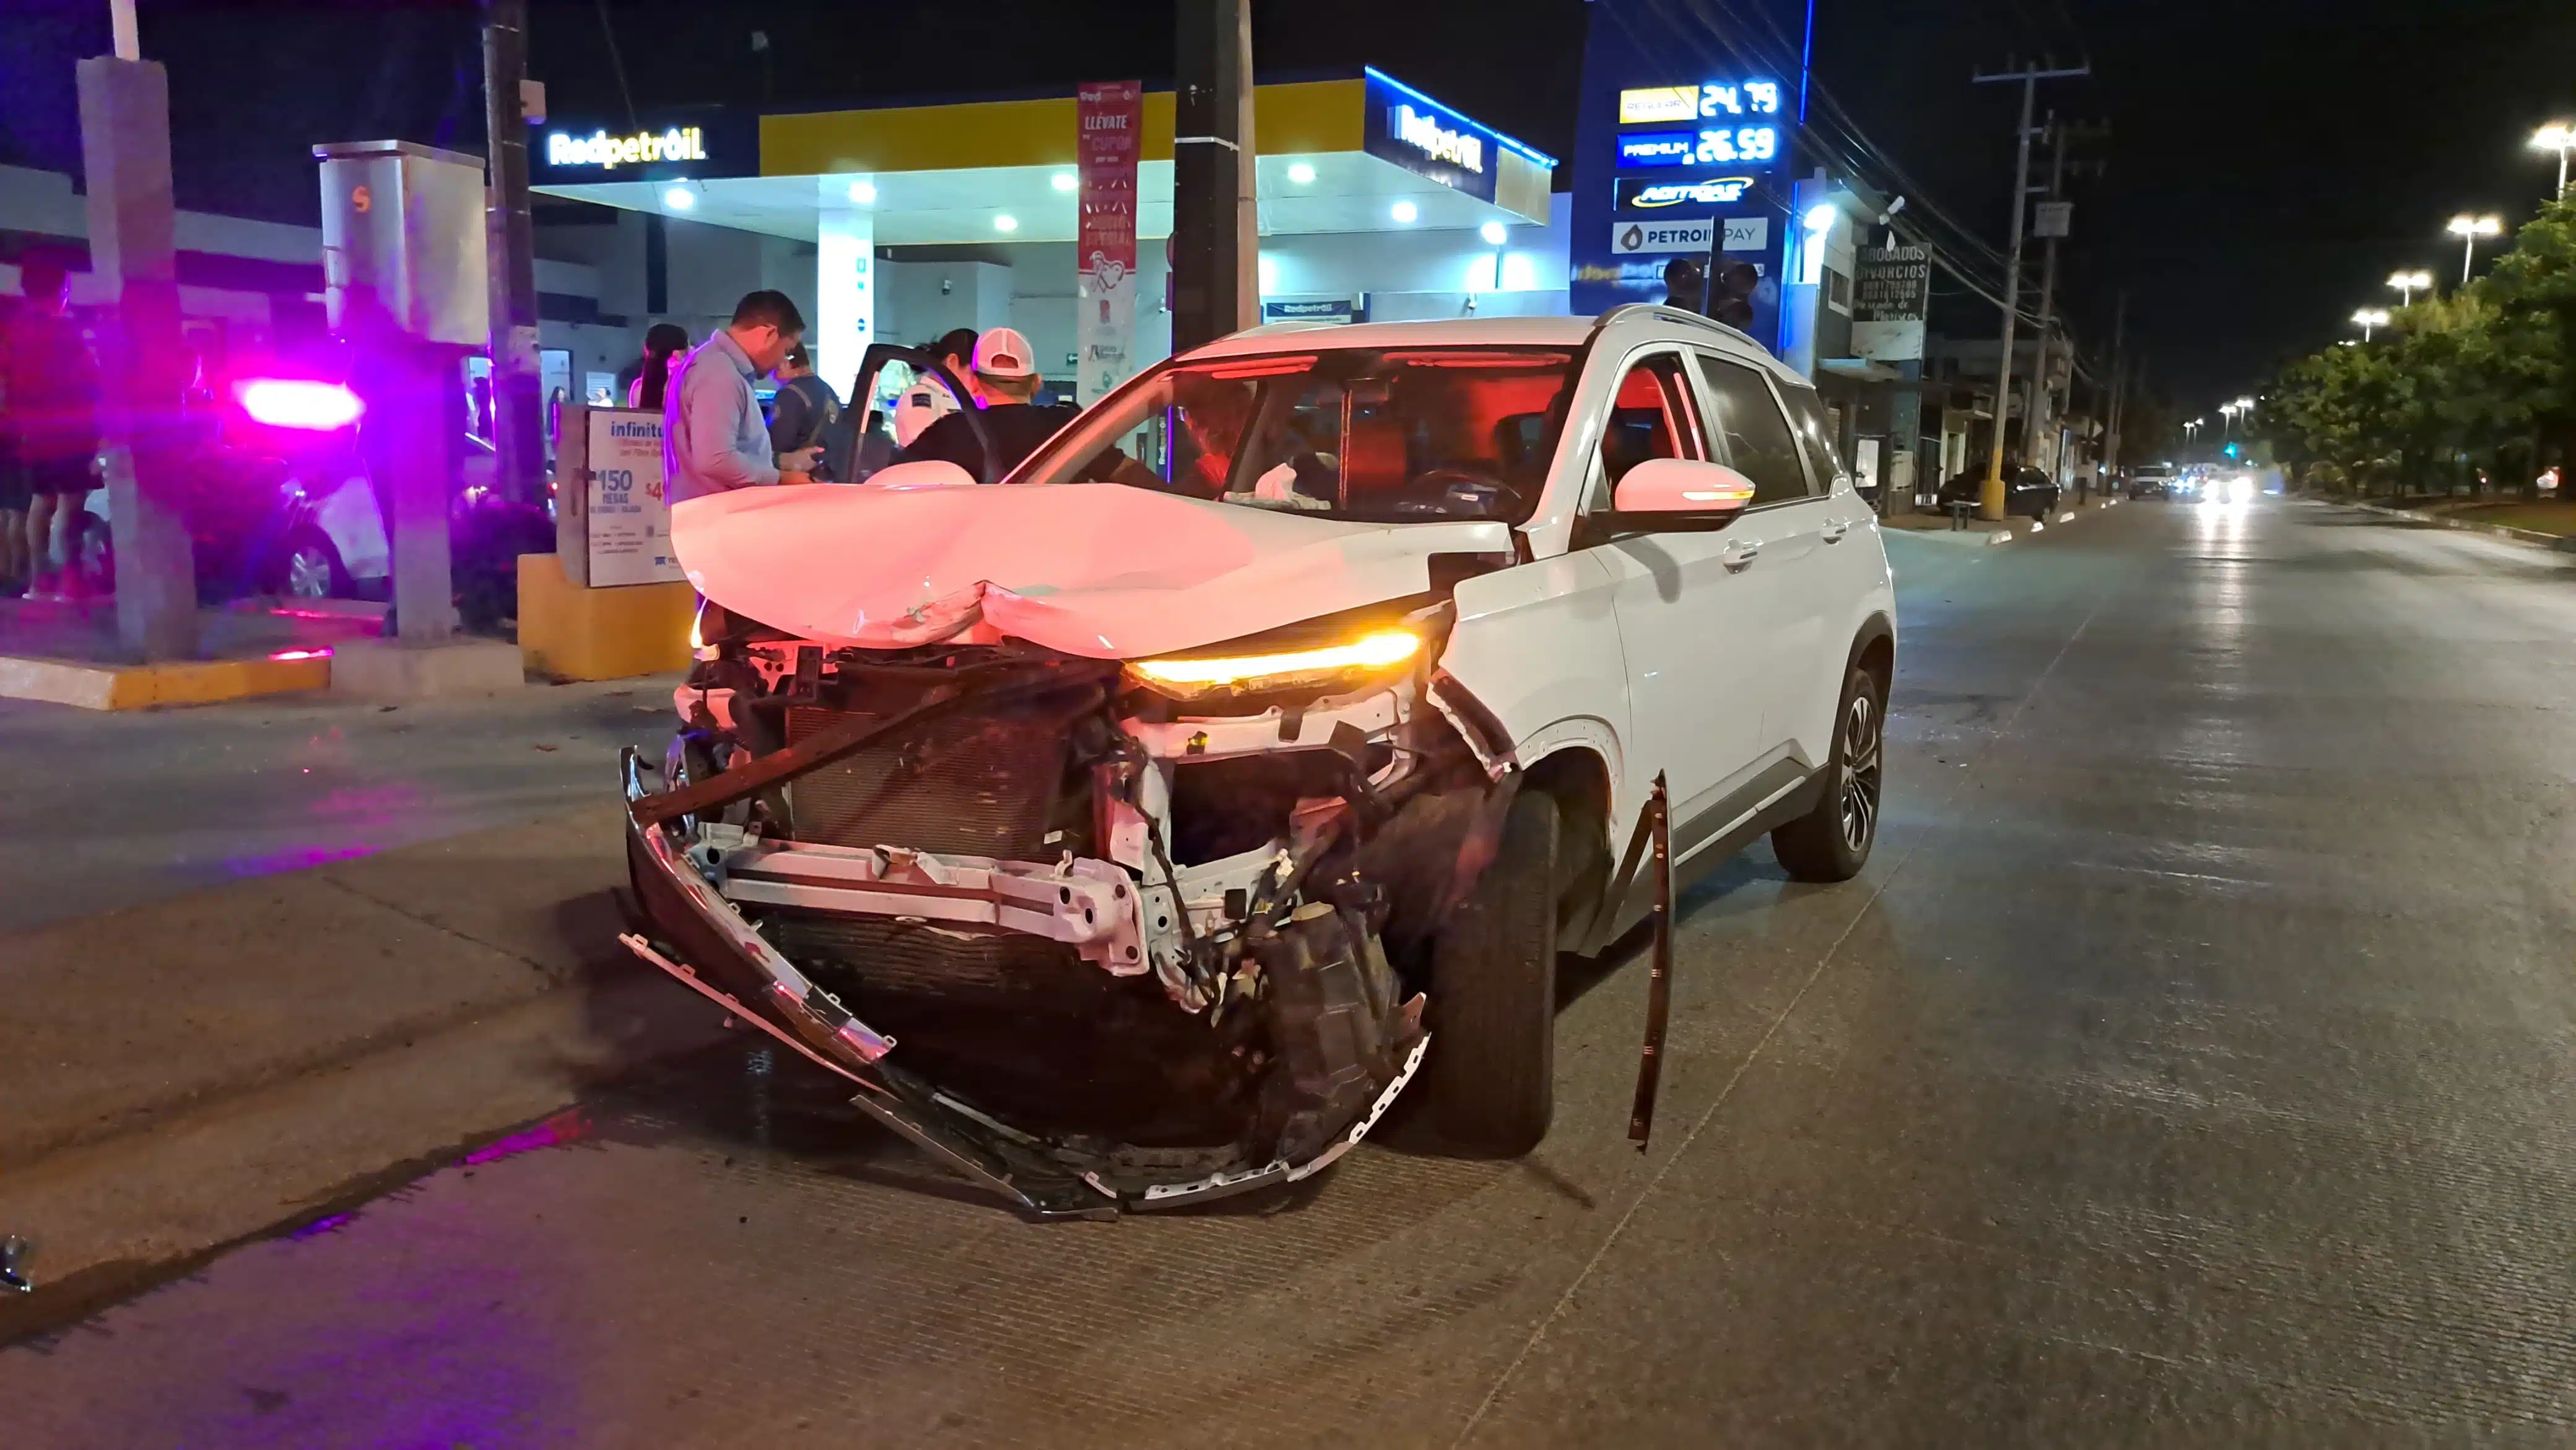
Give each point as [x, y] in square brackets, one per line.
[308, 574]
[1861, 765]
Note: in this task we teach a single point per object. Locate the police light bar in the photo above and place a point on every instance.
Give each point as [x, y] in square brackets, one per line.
[295, 403]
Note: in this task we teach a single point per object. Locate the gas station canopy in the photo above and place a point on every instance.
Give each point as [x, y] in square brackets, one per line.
[1358, 154]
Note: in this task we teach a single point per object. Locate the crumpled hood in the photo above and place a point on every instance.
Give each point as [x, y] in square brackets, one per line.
[1098, 570]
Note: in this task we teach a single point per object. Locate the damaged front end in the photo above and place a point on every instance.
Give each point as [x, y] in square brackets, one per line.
[1100, 935]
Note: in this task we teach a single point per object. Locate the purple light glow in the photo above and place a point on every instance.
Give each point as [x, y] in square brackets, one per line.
[554, 1132]
[292, 403]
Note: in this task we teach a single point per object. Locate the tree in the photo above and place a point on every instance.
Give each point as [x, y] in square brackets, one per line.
[2472, 386]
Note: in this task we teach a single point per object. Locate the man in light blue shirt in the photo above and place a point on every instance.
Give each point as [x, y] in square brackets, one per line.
[713, 439]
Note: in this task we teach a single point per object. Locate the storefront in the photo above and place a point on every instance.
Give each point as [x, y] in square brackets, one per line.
[897, 223]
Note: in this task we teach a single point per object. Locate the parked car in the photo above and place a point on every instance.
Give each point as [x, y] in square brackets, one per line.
[1165, 821]
[2151, 480]
[292, 513]
[2028, 493]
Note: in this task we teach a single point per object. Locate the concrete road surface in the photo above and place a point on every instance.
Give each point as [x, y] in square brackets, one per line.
[2191, 1066]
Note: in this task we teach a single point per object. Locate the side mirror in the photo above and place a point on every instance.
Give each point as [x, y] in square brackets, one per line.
[1678, 494]
[925, 473]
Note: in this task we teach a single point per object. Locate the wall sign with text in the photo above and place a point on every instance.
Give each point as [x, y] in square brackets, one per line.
[1651, 194]
[700, 141]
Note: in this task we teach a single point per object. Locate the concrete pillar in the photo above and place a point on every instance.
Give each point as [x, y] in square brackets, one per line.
[125, 148]
[845, 300]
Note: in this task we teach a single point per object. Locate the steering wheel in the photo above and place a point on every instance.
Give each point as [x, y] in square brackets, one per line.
[1441, 480]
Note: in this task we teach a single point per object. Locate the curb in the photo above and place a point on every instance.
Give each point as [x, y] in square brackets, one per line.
[2562, 543]
[140, 687]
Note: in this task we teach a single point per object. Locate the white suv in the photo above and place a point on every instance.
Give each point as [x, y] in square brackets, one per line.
[1263, 737]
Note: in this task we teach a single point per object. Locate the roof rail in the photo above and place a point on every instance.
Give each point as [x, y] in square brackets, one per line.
[1666, 312]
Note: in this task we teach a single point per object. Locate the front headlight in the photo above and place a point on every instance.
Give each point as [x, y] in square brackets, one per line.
[1190, 677]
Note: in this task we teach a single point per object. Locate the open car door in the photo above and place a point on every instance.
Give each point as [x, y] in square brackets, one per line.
[862, 441]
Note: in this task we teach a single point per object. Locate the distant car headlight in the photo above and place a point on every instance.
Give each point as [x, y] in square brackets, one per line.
[2240, 491]
[1191, 677]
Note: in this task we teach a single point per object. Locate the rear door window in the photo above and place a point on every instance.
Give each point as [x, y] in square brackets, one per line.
[1815, 436]
[1750, 435]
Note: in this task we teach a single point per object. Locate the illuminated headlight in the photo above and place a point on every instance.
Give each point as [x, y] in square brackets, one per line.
[698, 634]
[1192, 677]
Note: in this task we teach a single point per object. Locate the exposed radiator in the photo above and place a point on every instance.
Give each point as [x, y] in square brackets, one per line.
[976, 784]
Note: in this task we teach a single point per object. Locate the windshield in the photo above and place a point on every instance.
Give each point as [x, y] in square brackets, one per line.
[1376, 435]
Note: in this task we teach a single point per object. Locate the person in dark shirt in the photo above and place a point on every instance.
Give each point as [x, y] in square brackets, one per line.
[806, 404]
[1005, 374]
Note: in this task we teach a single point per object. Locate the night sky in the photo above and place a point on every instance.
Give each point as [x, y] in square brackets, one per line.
[2270, 161]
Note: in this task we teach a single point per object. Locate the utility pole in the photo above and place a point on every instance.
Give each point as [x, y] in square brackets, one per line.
[2119, 390]
[125, 150]
[1213, 246]
[1991, 503]
[518, 410]
[2035, 414]
[2043, 401]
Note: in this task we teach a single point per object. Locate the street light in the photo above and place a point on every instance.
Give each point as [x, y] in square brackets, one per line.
[2558, 136]
[2369, 318]
[2468, 229]
[2227, 414]
[2408, 284]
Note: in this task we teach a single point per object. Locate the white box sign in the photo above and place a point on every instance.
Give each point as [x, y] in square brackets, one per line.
[629, 521]
[1634, 238]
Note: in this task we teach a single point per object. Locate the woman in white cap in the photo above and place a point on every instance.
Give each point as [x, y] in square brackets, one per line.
[1006, 375]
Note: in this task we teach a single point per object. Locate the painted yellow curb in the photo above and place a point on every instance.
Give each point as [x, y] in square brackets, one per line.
[138, 687]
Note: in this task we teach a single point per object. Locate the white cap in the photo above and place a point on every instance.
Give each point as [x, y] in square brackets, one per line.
[1003, 353]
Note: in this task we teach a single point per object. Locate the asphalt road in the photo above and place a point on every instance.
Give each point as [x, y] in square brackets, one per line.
[2189, 1067]
[102, 811]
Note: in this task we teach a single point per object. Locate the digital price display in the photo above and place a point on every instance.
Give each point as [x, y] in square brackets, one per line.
[1722, 147]
[1747, 130]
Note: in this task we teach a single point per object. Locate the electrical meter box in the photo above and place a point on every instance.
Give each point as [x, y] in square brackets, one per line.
[406, 222]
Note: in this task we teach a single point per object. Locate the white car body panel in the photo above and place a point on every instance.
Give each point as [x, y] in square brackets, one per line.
[347, 515]
[1096, 570]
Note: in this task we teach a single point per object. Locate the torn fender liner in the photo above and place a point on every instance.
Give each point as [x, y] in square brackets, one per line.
[1323, 1106]
[1097, 570]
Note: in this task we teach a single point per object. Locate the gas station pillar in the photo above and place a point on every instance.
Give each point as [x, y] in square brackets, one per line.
[844, 291]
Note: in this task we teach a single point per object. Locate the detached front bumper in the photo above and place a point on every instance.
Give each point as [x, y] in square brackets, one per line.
[697, 936]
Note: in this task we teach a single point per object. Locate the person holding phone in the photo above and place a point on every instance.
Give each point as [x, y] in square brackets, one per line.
[713, 437]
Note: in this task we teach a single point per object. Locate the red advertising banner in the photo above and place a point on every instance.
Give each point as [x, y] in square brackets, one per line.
[1111, 116]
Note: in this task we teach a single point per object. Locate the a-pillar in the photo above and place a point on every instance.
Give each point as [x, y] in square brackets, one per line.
[125, 147]
[845, 284]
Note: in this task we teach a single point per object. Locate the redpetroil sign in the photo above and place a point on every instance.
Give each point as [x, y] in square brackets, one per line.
[680, 143]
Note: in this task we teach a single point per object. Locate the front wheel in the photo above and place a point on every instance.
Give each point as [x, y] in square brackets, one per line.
[311, 569]
[1832, 841]
[1493, 993]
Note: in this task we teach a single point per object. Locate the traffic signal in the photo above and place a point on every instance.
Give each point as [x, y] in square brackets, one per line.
[2231, 450]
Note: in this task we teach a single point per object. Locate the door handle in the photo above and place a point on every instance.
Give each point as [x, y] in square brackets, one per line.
[1739, 557]
[1835, 529]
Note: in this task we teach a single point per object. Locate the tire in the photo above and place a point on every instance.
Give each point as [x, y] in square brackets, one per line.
[310, 568]
[1832, 841]
[1493, 994]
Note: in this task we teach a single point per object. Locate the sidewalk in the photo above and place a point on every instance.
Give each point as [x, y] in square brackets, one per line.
[69, 654]
[1973, 532]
